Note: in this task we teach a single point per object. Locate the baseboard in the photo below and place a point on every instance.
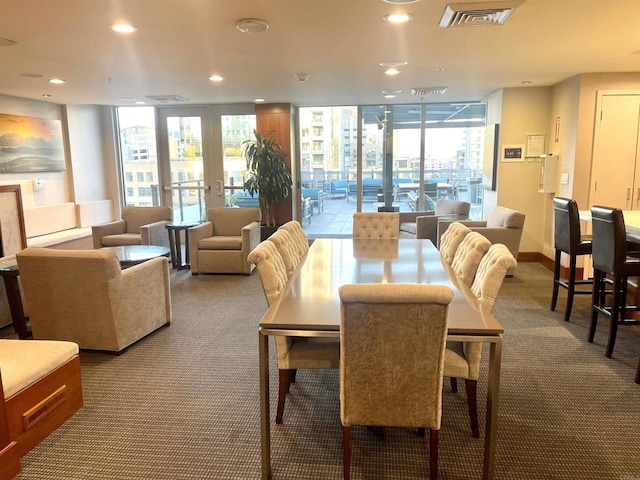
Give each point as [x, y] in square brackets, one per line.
[9, 461]
[548, 263]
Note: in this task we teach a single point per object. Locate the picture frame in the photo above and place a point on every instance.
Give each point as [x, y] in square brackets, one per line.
[13, 237]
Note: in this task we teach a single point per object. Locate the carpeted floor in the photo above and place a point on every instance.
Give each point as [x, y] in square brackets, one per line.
[183, 402]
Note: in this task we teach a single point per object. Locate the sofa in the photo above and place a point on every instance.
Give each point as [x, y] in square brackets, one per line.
[503, 225]
[338, 188]
[370, 189]
[425, 224]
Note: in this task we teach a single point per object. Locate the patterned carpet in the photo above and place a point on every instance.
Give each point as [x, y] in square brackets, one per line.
[183, 402]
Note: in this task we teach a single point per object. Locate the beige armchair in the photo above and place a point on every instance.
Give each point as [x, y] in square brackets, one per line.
[425, 224]
[392, 349]
[502, 226]
[137, 226]
[222, 243]
[84, 297]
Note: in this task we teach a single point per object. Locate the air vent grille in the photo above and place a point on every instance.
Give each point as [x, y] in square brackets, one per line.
[167, 98]
[478, 14]
[422, 91]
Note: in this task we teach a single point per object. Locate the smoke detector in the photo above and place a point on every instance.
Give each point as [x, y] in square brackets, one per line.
[478, 14]
[422, 91]
[167, 98]
[252, 25]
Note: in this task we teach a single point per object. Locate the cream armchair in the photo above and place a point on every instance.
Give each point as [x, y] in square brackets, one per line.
[84, 297]
[138, 226]
[222, 244]
[425, 224]
[502, 226]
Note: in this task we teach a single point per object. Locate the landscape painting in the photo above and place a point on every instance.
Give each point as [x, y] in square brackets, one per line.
[30, 145]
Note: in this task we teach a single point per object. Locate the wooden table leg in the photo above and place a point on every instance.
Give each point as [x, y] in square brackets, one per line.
[15, 307]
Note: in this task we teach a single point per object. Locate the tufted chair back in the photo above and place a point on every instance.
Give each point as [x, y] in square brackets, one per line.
[467, 257]
[451, 240]
[299, 237]
[271, 269]
[288, 250]
[376, 225]
[491, 272]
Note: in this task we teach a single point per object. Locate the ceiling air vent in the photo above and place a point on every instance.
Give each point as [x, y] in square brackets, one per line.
[422, 91]
[167, 98]
[5, 42]
[478, 14]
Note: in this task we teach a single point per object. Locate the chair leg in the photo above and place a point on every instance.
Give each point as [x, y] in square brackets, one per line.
[571, 287]
[283, 389]
[596, 297]
[638, 373]
[293, 375]
[346, 452]
[619, 295]
[454, 384]
[556, 280]
[473, 406]
[433, 455]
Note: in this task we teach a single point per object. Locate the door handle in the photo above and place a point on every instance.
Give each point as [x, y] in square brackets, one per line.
[219, 188]
[628, 193]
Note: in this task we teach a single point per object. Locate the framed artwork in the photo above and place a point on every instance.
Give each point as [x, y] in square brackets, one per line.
[13, 237]
[30, 145]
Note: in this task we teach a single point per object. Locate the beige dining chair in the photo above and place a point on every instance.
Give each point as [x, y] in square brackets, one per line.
[462, 359]
[301, 241]
[292, 353]
[378, 225]
[451, 240]
[468, 255]
[392, 349]
[285, 244]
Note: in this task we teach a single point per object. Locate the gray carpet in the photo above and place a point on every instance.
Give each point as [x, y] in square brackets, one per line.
[183, 402]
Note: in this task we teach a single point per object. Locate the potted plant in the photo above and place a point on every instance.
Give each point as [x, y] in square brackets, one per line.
[267, 174]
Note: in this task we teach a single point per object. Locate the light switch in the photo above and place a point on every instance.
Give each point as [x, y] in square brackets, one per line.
[564, 178]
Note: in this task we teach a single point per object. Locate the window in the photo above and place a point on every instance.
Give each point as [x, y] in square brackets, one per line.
[130, 192]
[149, 176]
[144, 191]
[128, 177]
[140, 176]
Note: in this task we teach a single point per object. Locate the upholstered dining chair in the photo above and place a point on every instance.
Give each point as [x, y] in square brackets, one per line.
[301, 242]
[468, 256]
[137, 226]
[385, 225]
[610, 258]
[223, 242]
[392, 348]
[292, 352]
[285, 244]
[451, 240]
[462, 359]
[568, 240]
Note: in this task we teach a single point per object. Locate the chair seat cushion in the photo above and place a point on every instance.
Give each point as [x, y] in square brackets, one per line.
[455, 363]
[220, 242]
[409, 227]
[24, 362]
[121, 239]
[314, 353]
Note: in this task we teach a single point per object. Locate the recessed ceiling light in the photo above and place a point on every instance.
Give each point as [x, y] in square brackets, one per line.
[216, 78]
[526, 82]
[392, 71]
[397, 17]
[440, 69]
[57, 81]
[302, 77]
[389, 96]
[391, 92]
[140, 102]
[400, 2]
[123, 28]
[46, 95]
[252, 25]
[259, 100]
[32, 75]
[393, 63]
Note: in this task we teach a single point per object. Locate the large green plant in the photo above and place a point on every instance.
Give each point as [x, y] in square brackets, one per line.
[267, 173]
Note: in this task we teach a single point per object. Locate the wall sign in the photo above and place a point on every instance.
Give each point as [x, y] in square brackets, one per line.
[513, 153]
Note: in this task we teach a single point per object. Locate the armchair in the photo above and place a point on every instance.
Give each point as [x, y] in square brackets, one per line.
[83, 296]
[222, 243]
[137, 226]
[502, 226]
[425, 224]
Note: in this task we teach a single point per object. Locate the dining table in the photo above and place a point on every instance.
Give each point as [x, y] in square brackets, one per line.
[309, 306]
[631, 223]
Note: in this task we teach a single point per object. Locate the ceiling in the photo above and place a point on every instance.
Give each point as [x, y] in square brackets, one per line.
[339, 43]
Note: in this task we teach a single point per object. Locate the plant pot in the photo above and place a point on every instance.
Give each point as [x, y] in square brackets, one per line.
[266, 232]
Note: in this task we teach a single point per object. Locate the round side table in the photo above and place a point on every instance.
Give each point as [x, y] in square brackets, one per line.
[175, 245]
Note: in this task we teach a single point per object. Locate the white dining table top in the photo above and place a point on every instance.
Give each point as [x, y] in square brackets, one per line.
[631, 220]
[311, 301]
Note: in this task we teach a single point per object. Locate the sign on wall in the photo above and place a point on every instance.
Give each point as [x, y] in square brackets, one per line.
[30, 145]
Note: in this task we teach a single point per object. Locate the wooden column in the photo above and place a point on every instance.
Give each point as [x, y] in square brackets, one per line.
[279, 119]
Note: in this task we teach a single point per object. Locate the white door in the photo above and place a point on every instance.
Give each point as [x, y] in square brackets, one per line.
[616, 179]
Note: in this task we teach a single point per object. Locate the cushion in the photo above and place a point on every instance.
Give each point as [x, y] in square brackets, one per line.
[220, 242]
[230, 221]
[409, 227]
[505, 217]
[24, 362]
[138, 216]
[121, 239]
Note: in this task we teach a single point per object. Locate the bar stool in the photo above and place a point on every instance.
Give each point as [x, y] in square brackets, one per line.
[610, 258]
[568, 240]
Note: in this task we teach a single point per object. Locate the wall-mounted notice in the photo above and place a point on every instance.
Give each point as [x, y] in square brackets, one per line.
[513, 153]
[535, 144]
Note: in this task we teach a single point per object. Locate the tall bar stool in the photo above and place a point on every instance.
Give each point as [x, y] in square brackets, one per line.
[568, 240]
[610, 258]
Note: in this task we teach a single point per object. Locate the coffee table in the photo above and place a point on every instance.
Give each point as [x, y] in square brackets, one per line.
[9, 272]
[130, 255]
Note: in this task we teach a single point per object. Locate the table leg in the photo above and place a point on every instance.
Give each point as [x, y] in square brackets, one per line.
[265, 423]
[15, 307]
[178, 265]
[187, 261]
[491, 428]
[172, 247]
